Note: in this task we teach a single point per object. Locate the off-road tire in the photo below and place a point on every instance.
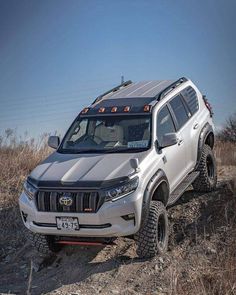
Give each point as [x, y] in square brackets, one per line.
[43, 244]
[152, 238]
[207, 179]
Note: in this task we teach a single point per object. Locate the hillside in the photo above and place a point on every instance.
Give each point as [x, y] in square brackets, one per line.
[201, 257]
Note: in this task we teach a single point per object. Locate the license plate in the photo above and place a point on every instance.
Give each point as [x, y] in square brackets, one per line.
[67, 223]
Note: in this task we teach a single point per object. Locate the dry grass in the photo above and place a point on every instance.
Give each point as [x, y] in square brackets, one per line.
[210, 266]
[225, 153]
[16, 162]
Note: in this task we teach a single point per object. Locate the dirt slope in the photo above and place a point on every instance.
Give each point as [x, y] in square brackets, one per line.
[199, 258]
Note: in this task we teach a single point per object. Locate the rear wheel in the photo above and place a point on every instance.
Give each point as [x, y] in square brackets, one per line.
[43, 243]
[152, 238]
[207, 179]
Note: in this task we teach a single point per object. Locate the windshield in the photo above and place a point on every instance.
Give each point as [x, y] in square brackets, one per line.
[108, 134]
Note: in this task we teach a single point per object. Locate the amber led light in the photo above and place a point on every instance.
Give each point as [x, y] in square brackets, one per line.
[114, 109]
[147, 108]
[127, 109]
[85, 110]
[101, 110]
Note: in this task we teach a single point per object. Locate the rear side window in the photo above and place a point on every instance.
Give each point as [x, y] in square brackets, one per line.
[164, 124]
[191, 99]
[179, 110]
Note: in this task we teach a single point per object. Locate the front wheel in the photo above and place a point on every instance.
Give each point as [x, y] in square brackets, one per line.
[152, 238]
[44, 244]
[207, 179]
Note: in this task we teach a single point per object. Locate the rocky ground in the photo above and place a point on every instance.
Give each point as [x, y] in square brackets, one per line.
[199, 260]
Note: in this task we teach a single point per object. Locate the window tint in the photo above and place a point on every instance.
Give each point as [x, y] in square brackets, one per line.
[164, 124]
[191, 99]
[179, 110]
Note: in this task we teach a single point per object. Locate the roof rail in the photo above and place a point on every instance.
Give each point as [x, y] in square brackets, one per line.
[126, 83]
[170, 88]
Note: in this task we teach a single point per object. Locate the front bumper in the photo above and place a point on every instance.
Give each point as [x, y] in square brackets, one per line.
[107, 222]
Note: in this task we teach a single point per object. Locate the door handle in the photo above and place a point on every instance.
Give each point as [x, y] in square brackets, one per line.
[196, 126]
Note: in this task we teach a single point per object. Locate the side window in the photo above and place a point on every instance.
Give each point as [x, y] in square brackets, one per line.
[179, 110]
[164, 124]
[191, 99]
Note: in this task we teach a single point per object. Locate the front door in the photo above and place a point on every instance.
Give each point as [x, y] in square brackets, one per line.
[174, 157]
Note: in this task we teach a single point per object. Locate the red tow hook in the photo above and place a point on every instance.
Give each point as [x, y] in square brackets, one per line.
[79, 243]
[84, 243]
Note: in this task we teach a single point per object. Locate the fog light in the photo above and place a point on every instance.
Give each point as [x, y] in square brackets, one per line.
[128, 217]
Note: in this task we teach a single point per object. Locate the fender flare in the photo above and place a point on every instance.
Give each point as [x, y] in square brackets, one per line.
[206, 130]
[152, 185]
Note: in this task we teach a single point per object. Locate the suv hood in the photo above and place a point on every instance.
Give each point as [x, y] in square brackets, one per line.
[71, 168]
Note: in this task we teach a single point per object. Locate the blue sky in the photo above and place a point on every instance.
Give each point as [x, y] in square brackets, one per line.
[56, 56]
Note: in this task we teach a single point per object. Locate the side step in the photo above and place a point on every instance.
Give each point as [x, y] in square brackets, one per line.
[181, 188]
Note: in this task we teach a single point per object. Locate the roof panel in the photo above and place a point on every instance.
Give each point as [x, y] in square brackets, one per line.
[124, 92]
[157, 88]
[141, 89]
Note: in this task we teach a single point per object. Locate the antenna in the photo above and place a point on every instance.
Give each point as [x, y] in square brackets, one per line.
[122, 79]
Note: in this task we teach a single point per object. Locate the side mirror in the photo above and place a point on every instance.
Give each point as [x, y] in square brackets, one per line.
[168, 139]
[53, 141]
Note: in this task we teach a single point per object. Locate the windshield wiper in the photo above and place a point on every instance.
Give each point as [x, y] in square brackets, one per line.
[71, 151]
[104, 151]
[133, 150]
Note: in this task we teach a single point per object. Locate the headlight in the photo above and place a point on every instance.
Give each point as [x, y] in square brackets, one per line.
[29, 190]
[120, 191]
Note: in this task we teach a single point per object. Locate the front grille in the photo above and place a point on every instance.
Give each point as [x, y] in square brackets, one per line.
[82, 202]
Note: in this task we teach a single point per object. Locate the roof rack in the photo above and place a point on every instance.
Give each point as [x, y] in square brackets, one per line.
[170, 88]
[126, 83]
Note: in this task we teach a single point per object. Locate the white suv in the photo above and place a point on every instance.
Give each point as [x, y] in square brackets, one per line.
[122, 162]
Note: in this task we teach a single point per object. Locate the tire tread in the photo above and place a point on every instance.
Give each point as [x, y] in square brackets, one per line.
[203, 183]
[146, 238]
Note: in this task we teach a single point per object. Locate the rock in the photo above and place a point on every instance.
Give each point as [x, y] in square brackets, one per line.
[7, 258]
[211, 250]
[36, 266]
[23, 266]
[99, 289]
[39, 262]
[115, 291]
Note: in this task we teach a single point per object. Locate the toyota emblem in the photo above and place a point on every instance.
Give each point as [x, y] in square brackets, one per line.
[66, 200]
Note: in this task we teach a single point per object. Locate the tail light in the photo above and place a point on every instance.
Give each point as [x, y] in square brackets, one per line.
[208, 105]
